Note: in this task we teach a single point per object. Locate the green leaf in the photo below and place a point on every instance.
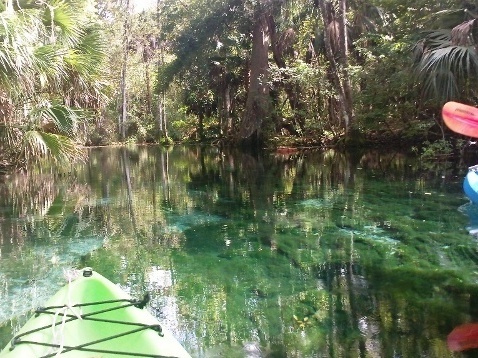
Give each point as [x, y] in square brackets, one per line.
[58, 147]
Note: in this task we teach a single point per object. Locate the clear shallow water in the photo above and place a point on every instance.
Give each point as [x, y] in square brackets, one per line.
[310, 255]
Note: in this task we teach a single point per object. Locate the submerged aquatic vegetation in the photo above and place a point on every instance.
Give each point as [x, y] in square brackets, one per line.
[313, 257]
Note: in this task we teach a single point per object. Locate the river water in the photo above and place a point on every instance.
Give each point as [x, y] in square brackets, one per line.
[296, 254]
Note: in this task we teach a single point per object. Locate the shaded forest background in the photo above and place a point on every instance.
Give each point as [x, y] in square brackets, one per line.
[260, 73]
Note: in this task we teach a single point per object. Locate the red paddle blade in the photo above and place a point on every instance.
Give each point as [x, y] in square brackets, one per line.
[463, 337]
[461, 118]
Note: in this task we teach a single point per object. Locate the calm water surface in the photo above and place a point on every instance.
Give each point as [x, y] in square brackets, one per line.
[314, 254]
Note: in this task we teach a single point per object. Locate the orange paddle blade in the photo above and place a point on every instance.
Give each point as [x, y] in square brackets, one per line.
[463, 337]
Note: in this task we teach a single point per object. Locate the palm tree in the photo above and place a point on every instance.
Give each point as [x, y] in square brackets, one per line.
[49, 63]
[447, 62]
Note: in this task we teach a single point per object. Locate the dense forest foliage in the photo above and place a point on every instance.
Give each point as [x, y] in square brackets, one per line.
[262, 73]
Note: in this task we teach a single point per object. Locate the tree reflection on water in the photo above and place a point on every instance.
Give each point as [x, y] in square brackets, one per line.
[301, 254]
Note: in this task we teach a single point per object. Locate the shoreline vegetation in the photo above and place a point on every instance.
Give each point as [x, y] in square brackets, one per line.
[235, 73]
[287, 148]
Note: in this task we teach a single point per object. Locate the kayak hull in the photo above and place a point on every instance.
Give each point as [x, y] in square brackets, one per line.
[470, 186]
[97, 319]
[461, 118]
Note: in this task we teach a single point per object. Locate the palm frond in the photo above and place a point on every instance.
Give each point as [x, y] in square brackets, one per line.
[33, 145]
[92, 45]
[369, 19]
[15, 32]
[59, 148]
[62, 22]
[49, 65]
[442, 86]
[446, 60]
[85, 68]
[465, 34]
[444, 19]
[444, 68]
[64, 119]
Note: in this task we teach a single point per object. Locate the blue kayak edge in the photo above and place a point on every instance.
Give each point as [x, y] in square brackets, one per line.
[470, 186]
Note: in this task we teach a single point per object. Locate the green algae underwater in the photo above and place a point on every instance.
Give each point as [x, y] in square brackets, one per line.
[305, 254]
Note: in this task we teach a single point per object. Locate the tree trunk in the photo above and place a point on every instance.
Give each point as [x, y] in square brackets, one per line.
[226, 125]
[148, 89]
[257, 103]
[9, 7]
[220, 79]
[344, 61]
[161, 114]
[161, 119]
[124, 106]
[336, 52]
[200, 132]
[224, 102]
[280, 45]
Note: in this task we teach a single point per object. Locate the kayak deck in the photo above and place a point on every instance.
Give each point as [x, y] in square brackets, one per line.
[92, 317]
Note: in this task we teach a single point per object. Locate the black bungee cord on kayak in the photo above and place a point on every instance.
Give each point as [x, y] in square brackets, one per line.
[53, 310]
